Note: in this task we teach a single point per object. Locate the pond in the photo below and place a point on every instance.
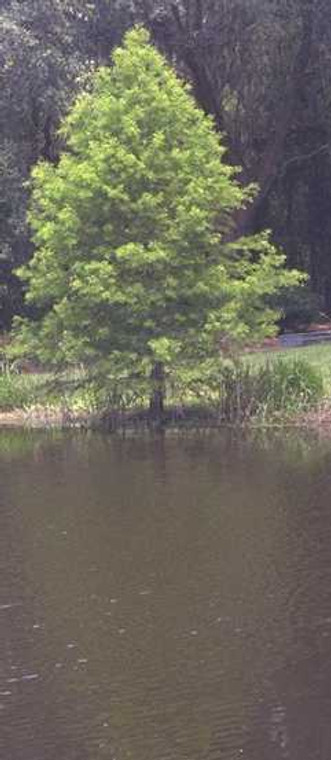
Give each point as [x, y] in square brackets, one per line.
[165, 598]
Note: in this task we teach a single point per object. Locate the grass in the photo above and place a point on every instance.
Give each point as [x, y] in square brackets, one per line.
[318, 355]
[267, 386]
[20, 391]
[44, 390]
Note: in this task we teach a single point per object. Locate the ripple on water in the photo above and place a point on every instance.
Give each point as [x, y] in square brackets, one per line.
[190, 619]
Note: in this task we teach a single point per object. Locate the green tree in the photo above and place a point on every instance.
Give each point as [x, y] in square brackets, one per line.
[133, 267]
[47, 50]
[262, 69]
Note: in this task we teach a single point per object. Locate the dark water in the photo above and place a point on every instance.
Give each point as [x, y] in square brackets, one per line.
[164, 599]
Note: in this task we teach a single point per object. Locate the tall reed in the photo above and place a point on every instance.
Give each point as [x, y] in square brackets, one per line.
[281, 388]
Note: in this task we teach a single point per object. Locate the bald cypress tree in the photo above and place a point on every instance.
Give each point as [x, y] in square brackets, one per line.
[133, 270]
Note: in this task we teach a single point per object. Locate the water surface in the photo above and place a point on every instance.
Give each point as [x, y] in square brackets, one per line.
[164, 599]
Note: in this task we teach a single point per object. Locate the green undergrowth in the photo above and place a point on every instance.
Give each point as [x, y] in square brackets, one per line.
[259, 389]
[317, 355]
[20, 391]
[272, 391]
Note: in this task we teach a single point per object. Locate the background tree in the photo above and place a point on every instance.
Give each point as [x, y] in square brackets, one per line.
[38, 68]
[47, 48]
[133, 269]
[260, 67]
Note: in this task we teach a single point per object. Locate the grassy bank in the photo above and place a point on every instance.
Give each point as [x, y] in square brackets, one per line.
[318, 356]
[269, 388]
[45, 399]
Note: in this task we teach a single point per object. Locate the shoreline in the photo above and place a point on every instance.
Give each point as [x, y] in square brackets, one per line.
[111, 422]
[42, 418]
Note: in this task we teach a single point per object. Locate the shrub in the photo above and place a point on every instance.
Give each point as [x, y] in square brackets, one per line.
[17, 391]
[282, 387]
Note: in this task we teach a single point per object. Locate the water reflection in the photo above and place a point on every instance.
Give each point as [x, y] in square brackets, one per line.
[164, 598]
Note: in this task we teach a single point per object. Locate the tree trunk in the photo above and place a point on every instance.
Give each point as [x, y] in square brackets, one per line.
[271, 158]
[156, 404]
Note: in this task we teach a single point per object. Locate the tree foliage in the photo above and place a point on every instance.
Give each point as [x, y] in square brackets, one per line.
[39, 66]
[134, 263]
[261, 68]
[47, 49]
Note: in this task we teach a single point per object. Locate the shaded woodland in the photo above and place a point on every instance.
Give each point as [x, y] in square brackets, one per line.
[262, 68]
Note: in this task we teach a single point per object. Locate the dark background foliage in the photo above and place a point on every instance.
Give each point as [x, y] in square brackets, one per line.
[262, 68]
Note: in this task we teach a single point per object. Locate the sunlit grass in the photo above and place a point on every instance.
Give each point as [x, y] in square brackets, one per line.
[265, 384]
[318, 355]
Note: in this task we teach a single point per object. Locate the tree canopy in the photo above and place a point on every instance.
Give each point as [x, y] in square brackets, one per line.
[134, 262]
[260, 68]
